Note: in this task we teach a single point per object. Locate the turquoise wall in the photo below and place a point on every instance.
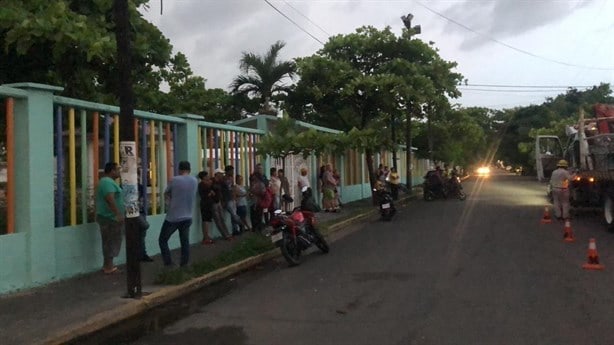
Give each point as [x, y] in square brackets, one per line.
[14, 269]
[39, 253]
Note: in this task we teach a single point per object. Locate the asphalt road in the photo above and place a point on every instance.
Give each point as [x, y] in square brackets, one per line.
[480, 271]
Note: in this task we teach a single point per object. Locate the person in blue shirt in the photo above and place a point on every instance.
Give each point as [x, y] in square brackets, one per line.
[180, 195]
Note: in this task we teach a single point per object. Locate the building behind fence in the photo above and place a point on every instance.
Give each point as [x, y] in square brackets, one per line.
[52, 154]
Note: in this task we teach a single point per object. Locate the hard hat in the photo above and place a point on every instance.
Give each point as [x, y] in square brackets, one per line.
[562, 163]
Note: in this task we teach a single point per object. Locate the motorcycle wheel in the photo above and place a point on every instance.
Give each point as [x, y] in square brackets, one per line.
[608, 213]
[290, 251]
[428, 196]
[462, 195]
[387, 216]
[320, 242]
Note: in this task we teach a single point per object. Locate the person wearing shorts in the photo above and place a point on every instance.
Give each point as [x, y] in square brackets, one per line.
[110, 215]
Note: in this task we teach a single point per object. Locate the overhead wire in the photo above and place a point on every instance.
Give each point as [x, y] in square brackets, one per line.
[532, 86]
[309, 20]
[293, 22]
[511, 90]
[512, 47]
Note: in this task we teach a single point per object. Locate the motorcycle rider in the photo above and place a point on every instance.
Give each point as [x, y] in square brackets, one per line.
[559, 182]
[452, 182]
[434, 181]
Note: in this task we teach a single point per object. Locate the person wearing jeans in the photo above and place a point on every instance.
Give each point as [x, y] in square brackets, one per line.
[181, 195]
[168, 228]
[229, 201]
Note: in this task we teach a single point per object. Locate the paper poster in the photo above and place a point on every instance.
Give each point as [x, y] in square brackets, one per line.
[129, 178]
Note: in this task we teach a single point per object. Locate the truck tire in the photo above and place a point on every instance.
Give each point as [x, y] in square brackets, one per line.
[608, 213]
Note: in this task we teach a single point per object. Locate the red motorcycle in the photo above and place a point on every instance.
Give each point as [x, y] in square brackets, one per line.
[295, 232]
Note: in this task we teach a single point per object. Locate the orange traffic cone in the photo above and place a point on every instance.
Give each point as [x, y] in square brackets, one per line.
[568, 233]
[546, 219]
[593, 257]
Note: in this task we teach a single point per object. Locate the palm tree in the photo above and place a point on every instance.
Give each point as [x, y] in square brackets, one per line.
[262, 75]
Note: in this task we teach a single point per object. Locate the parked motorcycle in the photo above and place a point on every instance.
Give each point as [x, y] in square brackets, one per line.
[295, 232]
[386, 205]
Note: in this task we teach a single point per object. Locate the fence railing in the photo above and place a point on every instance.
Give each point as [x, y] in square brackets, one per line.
[53, 148]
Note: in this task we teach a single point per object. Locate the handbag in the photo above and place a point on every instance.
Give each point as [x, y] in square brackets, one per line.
[287, 198]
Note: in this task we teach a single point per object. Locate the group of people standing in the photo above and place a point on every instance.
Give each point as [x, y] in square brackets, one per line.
[223, 192]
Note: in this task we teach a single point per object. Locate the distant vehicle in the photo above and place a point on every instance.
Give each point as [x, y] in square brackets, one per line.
[483, 171]
[590, 153]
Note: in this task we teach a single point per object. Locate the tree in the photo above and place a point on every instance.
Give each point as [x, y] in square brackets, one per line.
[71, 43]
[263, 76]
[515, 125]
[461, 136]
[357, 80]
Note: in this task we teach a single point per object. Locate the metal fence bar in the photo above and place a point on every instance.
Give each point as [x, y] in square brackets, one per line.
[59, 190]
[10, 162]
[72, 167]
[144, 166]
[116, 138]
[84, 167]
[152, 160]
[107, 138]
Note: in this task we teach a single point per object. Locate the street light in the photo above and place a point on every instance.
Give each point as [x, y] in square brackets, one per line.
[416, 29]
[412, 30]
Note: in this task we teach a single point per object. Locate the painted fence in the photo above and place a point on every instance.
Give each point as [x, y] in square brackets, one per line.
[54, 149]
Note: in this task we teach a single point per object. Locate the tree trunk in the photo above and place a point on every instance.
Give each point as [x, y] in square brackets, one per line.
[408, 142]
[430, 136]
[369, 162]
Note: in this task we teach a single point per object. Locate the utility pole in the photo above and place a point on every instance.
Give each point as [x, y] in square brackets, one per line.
[394, 142]
[411, 31]
[129, 156]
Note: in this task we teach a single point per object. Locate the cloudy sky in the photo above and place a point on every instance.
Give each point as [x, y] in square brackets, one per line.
[520, 44]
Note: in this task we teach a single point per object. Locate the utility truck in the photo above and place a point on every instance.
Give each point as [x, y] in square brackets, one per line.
[590, 152]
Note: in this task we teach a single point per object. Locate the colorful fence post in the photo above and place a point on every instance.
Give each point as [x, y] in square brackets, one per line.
[10, 162]
[59, 151]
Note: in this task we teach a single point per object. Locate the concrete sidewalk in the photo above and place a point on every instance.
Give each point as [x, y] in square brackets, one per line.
[63, 311]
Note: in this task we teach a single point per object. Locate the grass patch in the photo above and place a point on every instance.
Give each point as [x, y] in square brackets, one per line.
[248, 247]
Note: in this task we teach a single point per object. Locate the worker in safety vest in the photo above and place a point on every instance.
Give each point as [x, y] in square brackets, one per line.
[559, 182]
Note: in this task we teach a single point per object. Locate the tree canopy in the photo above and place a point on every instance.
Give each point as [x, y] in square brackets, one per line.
[71, 43]
[518, 127]
[358, 80]
[263, 76]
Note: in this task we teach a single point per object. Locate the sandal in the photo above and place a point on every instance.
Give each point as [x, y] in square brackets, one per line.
[113, 270]
[204, 242]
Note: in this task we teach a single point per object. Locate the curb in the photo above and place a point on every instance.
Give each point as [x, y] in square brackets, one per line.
[110, 317]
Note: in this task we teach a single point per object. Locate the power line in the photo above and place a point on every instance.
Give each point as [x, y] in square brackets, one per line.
[293, 22]
[309, 20]
[533, 86]
[511, 90]
[512, 47]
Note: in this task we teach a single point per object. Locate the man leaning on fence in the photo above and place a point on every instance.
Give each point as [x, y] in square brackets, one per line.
[181, 195]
